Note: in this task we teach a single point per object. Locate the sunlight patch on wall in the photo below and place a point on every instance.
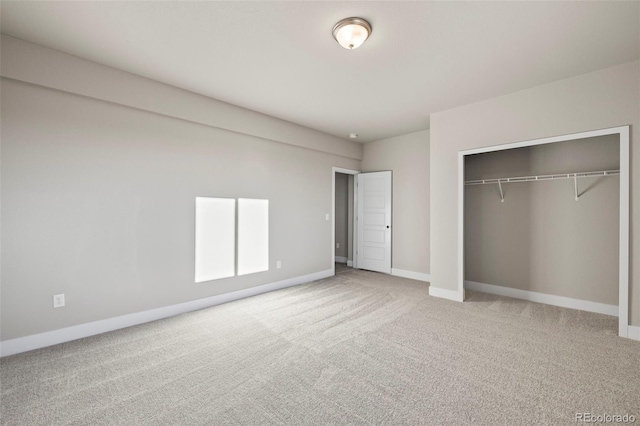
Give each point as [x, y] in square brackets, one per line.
[215, 238]
[253, 236]
[219, 231]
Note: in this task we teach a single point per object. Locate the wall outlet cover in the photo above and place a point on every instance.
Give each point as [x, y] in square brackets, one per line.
[58, 301]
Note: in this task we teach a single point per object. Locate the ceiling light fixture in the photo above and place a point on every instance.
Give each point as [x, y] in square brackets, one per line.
[350, 33]
[353, 135]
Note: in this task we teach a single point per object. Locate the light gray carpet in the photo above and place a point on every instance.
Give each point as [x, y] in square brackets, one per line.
[358, 348]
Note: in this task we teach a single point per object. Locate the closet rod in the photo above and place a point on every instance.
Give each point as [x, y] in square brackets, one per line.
[542, 177]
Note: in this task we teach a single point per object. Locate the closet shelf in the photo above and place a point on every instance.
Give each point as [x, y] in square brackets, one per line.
[574, 176]
[542, 177]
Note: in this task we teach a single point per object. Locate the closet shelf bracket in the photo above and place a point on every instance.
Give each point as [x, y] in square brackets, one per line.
[501, 193]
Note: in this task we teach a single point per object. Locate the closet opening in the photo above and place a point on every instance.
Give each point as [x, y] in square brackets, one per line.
[547, 220]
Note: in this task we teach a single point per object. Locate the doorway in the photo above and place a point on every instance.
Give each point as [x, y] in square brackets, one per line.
[343, 217]
[370, 231]
[343, 232]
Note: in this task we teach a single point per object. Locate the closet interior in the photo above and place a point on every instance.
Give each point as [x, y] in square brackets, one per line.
[545, 219]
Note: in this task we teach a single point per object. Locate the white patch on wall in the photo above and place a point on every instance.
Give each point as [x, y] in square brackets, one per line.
[215, 238]
[253, 236]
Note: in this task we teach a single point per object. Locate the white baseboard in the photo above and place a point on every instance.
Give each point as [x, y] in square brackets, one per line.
[446, 294]
[549, 299]
[41, 340]
[420, 276]
[350, 263]
[341, 259]
[633, 332]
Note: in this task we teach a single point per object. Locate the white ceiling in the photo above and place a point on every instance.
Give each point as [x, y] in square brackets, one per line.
[279, 58]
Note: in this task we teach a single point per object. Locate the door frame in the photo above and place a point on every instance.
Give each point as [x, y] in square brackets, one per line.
[335, 170]
[623, 273]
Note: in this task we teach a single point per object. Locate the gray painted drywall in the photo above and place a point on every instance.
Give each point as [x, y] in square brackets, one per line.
[342, 221]
[540, 239]
[408, 157]
[602, 99]
[98, 197]
[39, 65]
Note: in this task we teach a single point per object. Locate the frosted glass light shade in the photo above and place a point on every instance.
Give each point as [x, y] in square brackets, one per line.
[350, 33]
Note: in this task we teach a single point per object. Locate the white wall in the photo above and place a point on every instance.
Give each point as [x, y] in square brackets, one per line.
[100, 170]
[602, 99]
[407, 156]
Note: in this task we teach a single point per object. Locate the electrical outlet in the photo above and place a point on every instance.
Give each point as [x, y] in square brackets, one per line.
[58, 300]
[326, 216]
[278, 264]
[337, 245]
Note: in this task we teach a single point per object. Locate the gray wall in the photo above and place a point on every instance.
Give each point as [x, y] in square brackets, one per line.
[342, 211]
[540, 239]
[605, 98]
[408, 157]
[98, 194]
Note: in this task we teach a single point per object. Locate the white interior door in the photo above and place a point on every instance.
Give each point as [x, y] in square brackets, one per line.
[373, 221]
